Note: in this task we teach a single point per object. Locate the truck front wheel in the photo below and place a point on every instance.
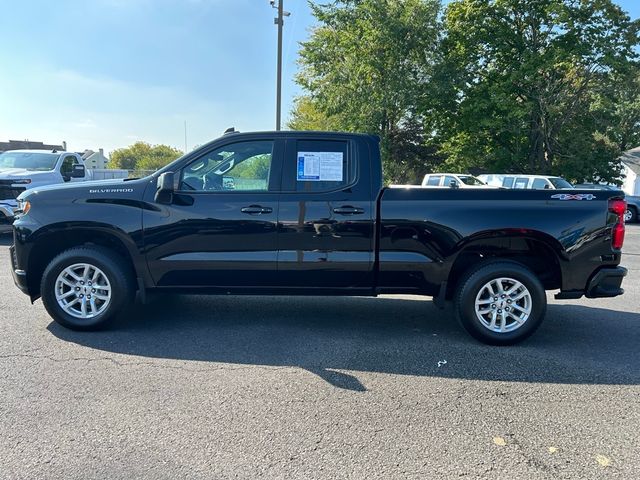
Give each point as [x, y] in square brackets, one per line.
[85, 287]
[501, 303]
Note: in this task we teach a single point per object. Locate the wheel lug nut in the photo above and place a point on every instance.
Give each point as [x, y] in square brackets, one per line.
[81, 296]
[506, 309]
[493, 305]
[88, 296]
[509, 302]
[77, 289]
[93, 290]
[81, 283]
[495, 298]
[499, 311]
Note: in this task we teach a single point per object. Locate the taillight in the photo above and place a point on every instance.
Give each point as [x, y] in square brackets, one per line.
[617, 232]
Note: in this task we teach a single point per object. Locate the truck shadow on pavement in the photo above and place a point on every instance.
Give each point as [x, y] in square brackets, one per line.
[326, 336]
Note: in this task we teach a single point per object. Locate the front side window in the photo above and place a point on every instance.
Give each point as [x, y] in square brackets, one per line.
[540, 184]
[471, 181]
[448, 179]
[242, 166]
[67, 165]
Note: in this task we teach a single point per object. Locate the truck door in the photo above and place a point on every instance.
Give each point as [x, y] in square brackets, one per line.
[220, 229]
[327, 214]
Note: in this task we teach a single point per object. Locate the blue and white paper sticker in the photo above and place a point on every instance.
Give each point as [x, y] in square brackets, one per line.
[320, 166]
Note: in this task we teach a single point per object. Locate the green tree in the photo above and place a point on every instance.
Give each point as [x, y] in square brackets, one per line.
[526, 86]
[364, 69]
[307, 115]
[143, 156]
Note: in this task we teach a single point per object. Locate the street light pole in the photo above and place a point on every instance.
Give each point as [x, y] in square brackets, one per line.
[279, 20]
[279, 87]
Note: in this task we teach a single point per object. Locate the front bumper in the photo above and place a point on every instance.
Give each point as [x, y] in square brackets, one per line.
[7, 214]
[19, 276]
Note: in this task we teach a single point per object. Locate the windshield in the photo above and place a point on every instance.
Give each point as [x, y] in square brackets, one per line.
[29, 161]
[560, 182]
[469, 180]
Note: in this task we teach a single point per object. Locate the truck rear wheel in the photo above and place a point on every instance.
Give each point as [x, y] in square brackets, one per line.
[84, 288]
[501, 303]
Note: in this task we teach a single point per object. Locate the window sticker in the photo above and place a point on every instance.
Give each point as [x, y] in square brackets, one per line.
[320, 166]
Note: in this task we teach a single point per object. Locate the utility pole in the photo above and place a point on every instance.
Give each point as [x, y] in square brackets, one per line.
[185, 136]
[279, 20]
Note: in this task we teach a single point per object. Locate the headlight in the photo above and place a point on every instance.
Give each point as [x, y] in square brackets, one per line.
[23, 207]
[22, 181]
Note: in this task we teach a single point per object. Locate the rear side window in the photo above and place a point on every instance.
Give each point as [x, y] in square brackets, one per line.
[507, 182]
[434, 180]
[323, 165]
[521, 182]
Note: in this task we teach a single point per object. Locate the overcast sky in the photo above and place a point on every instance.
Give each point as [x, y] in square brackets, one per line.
[106, 73]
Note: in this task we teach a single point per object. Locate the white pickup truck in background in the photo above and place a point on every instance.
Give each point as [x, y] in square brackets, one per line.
[21, 170]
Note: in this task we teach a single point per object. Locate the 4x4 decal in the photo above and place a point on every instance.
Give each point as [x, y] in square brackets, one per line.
[574, 196]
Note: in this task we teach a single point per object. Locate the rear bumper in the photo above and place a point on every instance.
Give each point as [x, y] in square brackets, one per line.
[19, 276]
[606, 283]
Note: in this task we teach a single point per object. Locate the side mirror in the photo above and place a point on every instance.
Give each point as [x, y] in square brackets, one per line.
[454, 184]
[165, 187]
[78, 171]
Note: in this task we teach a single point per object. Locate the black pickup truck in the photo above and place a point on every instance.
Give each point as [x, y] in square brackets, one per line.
[305, 213]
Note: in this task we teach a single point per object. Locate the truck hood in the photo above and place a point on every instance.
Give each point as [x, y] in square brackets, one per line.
[101, 186]
[19, 173]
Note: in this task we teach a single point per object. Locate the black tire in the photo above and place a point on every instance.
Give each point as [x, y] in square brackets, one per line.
[113, 267]
[631, 214]
[470, 288]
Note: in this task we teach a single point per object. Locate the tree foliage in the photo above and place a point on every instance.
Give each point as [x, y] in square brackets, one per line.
[143, 156]
[532, 86]
[526, 85]
[363, 69]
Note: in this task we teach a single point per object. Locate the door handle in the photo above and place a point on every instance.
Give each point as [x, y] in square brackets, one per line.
[256, 210]
[348, 210]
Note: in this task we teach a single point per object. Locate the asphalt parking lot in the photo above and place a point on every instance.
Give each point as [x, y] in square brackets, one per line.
[390, 387]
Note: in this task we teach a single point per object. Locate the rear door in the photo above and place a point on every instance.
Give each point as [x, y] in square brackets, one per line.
[326, 224]
[221, 228]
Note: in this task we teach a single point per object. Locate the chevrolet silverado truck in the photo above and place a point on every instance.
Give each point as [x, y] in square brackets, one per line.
[305, 213]
[22, 170]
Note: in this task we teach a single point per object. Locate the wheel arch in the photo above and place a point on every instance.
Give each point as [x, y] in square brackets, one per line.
[47, 245]
[535, 250]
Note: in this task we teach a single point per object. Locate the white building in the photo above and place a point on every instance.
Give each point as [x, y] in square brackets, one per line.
[95, 159]
[631, 169]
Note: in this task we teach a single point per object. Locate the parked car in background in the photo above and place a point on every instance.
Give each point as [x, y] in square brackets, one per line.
[633, 201]
[22, 170]
[452, 180]
[525, 182]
